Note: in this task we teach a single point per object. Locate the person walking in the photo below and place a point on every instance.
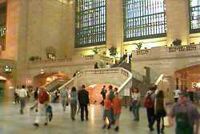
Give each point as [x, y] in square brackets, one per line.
[136, 104]
[111, 96]
[186, 116]
[107, 113]
[160, 111]
[64, 98]
[22, 93]
[83, 97]
[16, 95]
[176, 94]
[103, 94]
[73, 102]
[116, 110]
[43, 100]
[149, 101]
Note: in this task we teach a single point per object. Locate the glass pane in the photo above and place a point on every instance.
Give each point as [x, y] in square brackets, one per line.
[144, 18]
[195, 14]
[91, 25]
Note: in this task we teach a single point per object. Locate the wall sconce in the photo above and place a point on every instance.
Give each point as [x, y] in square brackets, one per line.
[7, 69]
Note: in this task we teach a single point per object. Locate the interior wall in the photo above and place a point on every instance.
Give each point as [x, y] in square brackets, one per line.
[47, 26]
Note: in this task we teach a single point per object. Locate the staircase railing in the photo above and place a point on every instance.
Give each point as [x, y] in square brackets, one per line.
[75, 82]
[50, 84]
[127, 83]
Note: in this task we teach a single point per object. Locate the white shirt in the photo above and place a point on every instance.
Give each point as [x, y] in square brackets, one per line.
[22, 93]
[177, 93]
[126, 92]
[136, 96]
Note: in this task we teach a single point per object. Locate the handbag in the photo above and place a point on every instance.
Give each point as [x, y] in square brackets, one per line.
[166, 121]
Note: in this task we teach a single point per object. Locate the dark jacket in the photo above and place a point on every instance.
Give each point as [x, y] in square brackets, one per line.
[83, 97]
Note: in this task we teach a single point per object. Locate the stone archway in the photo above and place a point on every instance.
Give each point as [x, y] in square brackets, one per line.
[46, 77]
[185, 77]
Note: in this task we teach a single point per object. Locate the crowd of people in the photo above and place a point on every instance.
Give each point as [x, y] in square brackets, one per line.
[183, 112]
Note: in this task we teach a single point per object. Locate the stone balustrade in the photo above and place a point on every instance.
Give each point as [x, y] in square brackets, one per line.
[142, 52]
[183, 48]
[167, 52]
[61, 62]
[117, 76]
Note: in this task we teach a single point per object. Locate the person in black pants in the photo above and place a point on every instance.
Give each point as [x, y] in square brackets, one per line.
[83, 98]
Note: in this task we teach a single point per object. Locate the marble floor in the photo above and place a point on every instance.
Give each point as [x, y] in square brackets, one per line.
[11, 122]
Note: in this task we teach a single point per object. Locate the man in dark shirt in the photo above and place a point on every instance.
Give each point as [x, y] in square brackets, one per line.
[83, 98]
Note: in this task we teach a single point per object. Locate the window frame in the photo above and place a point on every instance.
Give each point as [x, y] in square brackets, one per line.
[157, 35]
[101, 22]
[190, 18]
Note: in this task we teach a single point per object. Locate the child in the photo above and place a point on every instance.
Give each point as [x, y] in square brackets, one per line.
[107, 112]
[116, 110]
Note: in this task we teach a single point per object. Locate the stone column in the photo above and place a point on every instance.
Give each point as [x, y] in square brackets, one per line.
[177, 13]
[114, 24]
[22, 41]
[70, 30]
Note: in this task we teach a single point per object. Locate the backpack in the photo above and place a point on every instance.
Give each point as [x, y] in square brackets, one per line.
[43, 97]
[148, 102]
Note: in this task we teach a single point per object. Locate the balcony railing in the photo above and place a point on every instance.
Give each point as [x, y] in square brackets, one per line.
[142, 51]
[167, 52]
[183, 48]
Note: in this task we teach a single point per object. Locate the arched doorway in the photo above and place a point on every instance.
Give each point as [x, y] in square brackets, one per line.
[189, 77]
[45, 78]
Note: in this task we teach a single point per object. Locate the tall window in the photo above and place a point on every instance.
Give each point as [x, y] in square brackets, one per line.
[2, 25]
[90, 22]
[144, 19]
[194, 15]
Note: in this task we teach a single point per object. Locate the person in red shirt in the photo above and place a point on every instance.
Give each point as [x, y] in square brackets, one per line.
[107, 112]
[116, 105]
[43, 100]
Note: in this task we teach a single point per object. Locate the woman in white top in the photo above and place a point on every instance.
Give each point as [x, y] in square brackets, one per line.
[176, 94]
[135, 103]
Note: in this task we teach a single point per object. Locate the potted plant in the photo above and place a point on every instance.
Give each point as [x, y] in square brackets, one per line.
[177, 42]
[95, 50]
[113, 52]
[139, 45]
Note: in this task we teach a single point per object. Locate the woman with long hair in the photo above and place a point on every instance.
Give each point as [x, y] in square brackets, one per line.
[73, 102]
[160, 111]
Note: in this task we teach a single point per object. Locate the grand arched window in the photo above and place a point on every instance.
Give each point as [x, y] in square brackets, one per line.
[144, 19]
[194, 16]
[2, 25]
[90, 23]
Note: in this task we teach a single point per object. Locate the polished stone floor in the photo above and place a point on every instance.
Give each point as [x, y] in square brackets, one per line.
[11, 122]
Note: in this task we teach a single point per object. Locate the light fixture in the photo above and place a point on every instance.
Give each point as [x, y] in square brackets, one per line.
[41, 71]
[7, 69]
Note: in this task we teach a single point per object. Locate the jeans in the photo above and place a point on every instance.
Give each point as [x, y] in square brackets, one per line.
[84, 109]
[22, 105]
[64, 101]
[135, 109]
[160, 123]
[73, 110]
[150, 117]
